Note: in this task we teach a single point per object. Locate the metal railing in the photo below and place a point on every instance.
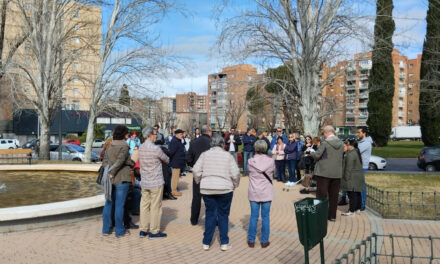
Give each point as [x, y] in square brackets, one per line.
[382, 249]
[404, 204]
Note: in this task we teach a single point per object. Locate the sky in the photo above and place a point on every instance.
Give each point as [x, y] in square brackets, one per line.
[193, 36]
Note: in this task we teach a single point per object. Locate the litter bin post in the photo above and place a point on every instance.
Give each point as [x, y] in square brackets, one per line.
[311, 219]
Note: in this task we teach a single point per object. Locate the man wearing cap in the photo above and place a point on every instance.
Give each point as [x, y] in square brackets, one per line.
[177, 160]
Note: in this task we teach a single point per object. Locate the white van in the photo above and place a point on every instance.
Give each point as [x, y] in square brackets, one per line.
[9, 143]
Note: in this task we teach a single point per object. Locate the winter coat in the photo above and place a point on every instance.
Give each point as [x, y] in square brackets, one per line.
[117, 155]
[216, 171]
[248, 143]
[278, 151]
[196, 148]
[177, 152]
[236, 143]
[274, 140]
[365, 148]
[353, 178]
[291, 150]
[300, 145]
[328, 158]
[260, 188]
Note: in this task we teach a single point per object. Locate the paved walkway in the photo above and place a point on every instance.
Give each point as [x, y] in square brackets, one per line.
[81, 242]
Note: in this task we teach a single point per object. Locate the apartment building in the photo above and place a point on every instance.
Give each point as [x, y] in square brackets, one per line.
[191, 102]
[227, 91]
[81, 54]
[354, 107]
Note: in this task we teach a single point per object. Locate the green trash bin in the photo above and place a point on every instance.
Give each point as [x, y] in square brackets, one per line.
[311, 219]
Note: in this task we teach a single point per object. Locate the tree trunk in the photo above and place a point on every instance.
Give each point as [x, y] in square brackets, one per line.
[90, 135]
[44, 140]
[311, 121]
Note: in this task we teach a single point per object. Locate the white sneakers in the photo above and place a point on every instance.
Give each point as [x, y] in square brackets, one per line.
[289, 184]
[348, 213]
[225, 247]
[205, 247]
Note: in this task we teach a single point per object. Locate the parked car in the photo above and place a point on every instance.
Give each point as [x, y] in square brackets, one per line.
[72, 141]
[429, 159]
[9, 143]
[32, 143]
[83, 150]
[377, 163]
[68, 153]
[97, 143]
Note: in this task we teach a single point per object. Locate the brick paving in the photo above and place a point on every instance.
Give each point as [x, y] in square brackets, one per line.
[82, 242]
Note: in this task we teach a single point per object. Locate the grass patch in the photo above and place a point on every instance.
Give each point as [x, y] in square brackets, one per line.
[399, 149]
[405, 196]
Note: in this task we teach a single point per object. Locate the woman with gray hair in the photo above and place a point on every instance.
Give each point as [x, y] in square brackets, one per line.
[261, 169]
[218, 175]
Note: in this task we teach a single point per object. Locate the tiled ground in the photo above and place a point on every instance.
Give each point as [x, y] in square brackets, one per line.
[82, 242]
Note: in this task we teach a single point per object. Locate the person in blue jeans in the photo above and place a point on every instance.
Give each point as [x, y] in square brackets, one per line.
[291, 151]
[118, 159]
[248, 147]
[260, 193]
[218, 175]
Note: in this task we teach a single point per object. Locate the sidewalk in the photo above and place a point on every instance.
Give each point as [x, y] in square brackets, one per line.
[82, 242]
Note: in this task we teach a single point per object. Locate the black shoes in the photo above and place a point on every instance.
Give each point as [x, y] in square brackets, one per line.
[343, 201]
[304, 191]
[169, 196]
[131, 226]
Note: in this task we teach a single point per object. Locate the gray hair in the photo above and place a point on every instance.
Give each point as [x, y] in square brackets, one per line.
[205, 129]
[329, 129]
[260, 146]
[146, 132]
[217, 141]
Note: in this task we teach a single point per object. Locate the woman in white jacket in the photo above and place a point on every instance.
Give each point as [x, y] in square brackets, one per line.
[218, 175]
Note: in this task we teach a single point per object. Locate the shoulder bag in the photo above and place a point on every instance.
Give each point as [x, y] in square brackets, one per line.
[101, 171]
[267, 177]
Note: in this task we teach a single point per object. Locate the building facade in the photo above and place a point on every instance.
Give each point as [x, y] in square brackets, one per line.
[227, 91]
[191, 102]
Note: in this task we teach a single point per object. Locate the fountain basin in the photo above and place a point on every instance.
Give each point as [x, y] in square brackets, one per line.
[92, 201]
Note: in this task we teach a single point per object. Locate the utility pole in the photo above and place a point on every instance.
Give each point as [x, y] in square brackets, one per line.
[60, 94]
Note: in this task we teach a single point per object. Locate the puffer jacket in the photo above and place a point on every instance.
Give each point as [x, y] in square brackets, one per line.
[117, 155]
[260, 188]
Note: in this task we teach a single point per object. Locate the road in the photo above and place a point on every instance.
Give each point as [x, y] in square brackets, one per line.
[403, 166]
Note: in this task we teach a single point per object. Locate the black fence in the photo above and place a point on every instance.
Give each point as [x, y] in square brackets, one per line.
[382, 249]
[404, 204]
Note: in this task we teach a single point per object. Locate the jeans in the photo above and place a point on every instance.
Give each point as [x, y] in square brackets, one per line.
[246, 156]
[364, 192]
[119, 195]
[217, 207]
[134, 199]
[291, 165]
[281, 169]
[265, 221]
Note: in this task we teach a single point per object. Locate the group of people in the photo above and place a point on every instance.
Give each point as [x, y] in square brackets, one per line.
[216, 174]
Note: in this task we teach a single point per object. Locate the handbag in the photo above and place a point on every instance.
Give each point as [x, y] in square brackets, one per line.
[302, 163]
[100, 175]
[101, 172]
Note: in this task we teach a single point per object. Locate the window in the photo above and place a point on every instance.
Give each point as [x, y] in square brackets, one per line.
[341, 84]
[76, 40]
[75, 92]
[75, 105]
[411, 75]
[409, 111]
[411, 66]
[410, 102]
[342, 94]
[410, 93]
[103, 120]
[332, 90]
[410, 85]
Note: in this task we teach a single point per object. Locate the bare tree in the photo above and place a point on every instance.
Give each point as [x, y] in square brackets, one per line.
[131, 21]
[38, 75]
[303, 34]
[235, 109]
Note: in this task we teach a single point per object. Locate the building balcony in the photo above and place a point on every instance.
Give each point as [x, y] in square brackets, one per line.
[349, 106]
[363, 116]
[349, 123]
[402, 76]
[363, 96]
[351, 77]
[402, 95]
[349, 114]
[363, 76]
[363, 87]
[351, 87]
[363, 105]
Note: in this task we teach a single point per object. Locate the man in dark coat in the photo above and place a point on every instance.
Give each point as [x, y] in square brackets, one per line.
[196, 148]
[232, 141]
[177, 160]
